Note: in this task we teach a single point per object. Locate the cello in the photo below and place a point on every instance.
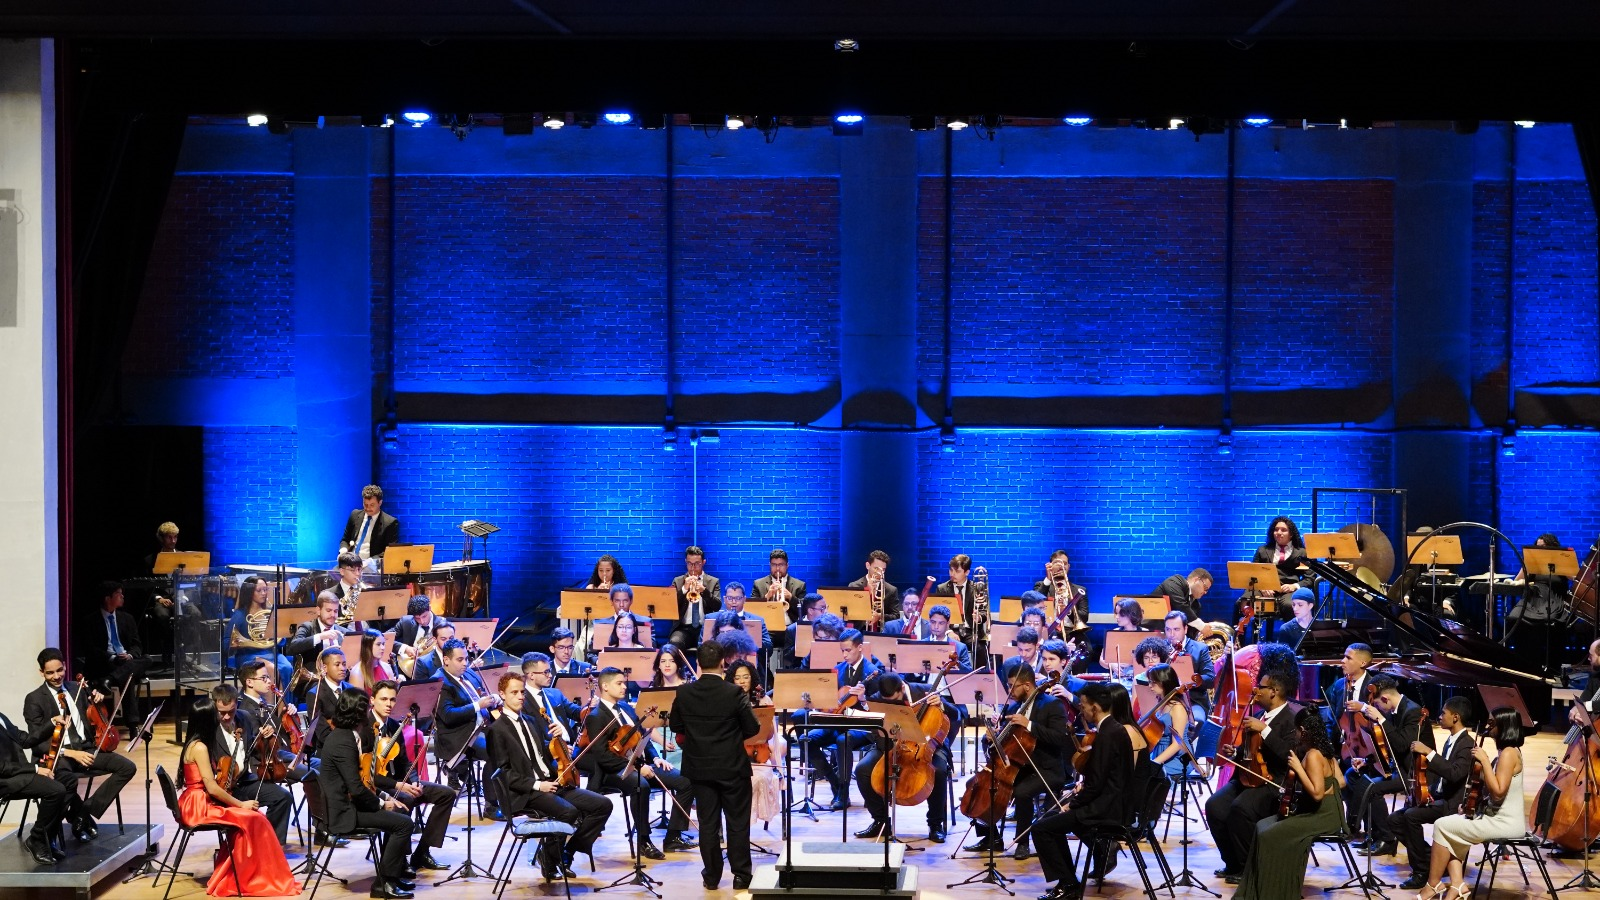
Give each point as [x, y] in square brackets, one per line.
[913, 760]
[989, 790]
[1570, 792]
[1583, 589]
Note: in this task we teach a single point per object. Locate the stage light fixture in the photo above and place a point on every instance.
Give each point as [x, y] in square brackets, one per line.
[516, 124]
[847, 45]
[924, 123]
[1524, 123]
[1175, 124]
[417, 118]
[849, 125]
[734, 123]
[1078, 121]
[256, 120]
[1257, 121]
[618, 118]
[669, 438]
[555, 122]
[957, 123]
[947, 438]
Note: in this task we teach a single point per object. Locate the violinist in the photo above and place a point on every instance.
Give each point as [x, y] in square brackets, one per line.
[1046, 719]
[427, 666]
[1170, 754]
[1233, 811]
[857, 678]
[670, 669]
[22, 779]
[1277, 864]
[1027, 643]
[1101, 802]
[613, 721]
[77, 756]
[236, 737]
[1400, 720]
[391, 776]
[766, 785]
[374, 668]
[530, 779]
[712, 719]
[1447, 775]
[323, 696]
[1152, 651]
[352, 804]
[892, 689]
[1033, 616]
[812, 608]
[259, 702]
[1455, 836]
[910, 624]
[1177, 631]
[558, 710]
[563, 648]
[257, 859]
[463, 712]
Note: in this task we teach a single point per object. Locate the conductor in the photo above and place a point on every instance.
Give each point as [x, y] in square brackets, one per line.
[712, 718]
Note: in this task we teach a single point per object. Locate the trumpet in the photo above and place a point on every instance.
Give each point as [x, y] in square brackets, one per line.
[778, 590]
[693, 587]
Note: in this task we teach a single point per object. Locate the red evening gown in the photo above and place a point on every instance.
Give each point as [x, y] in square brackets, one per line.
[263, 872]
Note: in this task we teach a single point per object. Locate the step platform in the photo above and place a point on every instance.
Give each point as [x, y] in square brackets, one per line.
[85, 865]
[830, 868]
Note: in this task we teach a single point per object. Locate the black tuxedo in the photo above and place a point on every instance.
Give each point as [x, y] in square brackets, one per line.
[949, 589]
[712, 719]
[321, 704]
[795, 588]
[38, 708]
[1337, 696]
[277, 804]
[1107, 794]
[938, 800]
[891, 598]
[613, 771]
[524, 764]
[710, 599]
[305, 646]
[456, 716]
[351, 805]
[1048, 718]
[384, 532]
[1176, 588]
[1233, 811]
[407, 631]
[19, 780]
[1447, 779]
[1364, 788]
[441, 799]
[843, 741]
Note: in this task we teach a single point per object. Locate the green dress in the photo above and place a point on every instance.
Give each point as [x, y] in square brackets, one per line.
[1276, 868]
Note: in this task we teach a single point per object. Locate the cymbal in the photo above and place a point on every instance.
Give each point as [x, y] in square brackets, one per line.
[1377, 553]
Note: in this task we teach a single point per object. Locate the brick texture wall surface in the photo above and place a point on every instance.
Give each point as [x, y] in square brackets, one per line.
[250, 494]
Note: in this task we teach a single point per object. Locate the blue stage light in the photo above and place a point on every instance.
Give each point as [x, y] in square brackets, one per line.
[849, 118]
[416, 118]
[619, 118]
[1078, 121]
[1258, 121]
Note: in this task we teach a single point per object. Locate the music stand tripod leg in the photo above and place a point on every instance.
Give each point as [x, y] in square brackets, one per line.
[1185, 877]
[637, 876]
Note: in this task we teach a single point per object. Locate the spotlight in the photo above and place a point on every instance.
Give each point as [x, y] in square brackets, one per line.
[555, 122]
[1175, 124]
[669, 438]
[849, 124]
[1078, 121]
[417, 118]
[1257, 121]
[924, 123]
[1520, 123]
[257, 120]
[957, 123]
[847, 45]
[734, 123]
[513, 124]
[618, 118]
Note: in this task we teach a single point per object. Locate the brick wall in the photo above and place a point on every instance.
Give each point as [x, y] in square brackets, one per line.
[1557, 329]
[1549, 485]
[250, 500]
[219, 288]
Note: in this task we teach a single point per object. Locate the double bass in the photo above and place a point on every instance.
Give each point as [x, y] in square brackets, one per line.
[988, 793]
[1571, 792]
[1584, 590]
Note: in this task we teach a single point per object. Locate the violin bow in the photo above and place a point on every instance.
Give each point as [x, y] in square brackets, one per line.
[503, 632]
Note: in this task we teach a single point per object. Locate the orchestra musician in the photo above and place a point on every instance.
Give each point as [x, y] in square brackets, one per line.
[77, 756]
[1171, 754]
[351, 805]
[346, 592]
[856, 676]
[394, 776]
[670, 669]
[1401, 720]
[1061, 564]
[1448, 770]
[625, 633]
[712, 718]
[622, 608]
[958, 586]
[737, 644]
[249, 630]
[1286, 549]
[896, 691]
[1185, 591]
[1543, 607]
[530, 779]
[23, 779]
[1101, 802]
[257, 866]
[1034, 616]
[811, 608]
[1277, 864]
[323, 696]
[463, 711]
[939, 630]
[112, 649]
[559, 712]
[313, 636]
[428, 665]
[1454, 836]
[374, 668]
[369, 531]
[256, 679]
[563, 654]
[1176, 627]
[910, 624]
[778, 584]
[699, 596]
[733, 602]
[1046, 719]
[614, 718]
[827, 627]
[416, 625]
[1233, 811]
[1304, 612]
[236, 737]
[874, 583]
[1027, 644]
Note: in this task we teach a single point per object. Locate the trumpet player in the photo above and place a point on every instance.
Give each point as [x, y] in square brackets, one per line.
[778, 585]
[699, 596]
[883, 596]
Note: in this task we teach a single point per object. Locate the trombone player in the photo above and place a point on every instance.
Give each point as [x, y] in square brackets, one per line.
[884, 597]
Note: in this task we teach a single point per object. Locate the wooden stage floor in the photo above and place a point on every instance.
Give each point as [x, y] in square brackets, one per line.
[681, 872]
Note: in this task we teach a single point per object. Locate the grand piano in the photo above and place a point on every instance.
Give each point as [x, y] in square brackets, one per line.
[1430, 649]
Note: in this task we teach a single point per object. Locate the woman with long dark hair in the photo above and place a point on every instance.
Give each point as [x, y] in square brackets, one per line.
[1455, 836]
[1276, 867]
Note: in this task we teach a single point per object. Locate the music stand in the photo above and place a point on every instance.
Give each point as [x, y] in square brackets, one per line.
[491, 676]
[1435, 550]
[900, 725]
[803, 637]
[574, 687]
[1002, 639]
[586, 604]
[418, 698]
[350, 644]
[657, 602]
[290, 617]
[479, 631]
[919, 658]
[473, 528]
[846, 602]
[1010, 610]
[148, 862]
[1153, 609]
[773, 612]
[793, 691]
[407, 559]
[661, 699]
[1335, 545]
[635, 663]
[828, 654]
[381, 605]
[1495, 696]
[1550, 561]
[185, 562]
[1118, 650]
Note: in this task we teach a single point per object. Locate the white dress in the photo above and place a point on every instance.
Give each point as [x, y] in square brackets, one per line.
[1509, 821]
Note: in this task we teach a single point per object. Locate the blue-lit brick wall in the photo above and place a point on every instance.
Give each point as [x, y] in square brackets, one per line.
[1313, 267]
[756, 263]
[1551, 485]
[250, 498]
[529, 280]
[1050, 273]
[219, 287]
[1131, 507]
[1490, 206]
[1557, 330]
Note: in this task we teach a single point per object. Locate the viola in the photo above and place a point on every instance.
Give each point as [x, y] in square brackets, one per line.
[566, 772]
[1234, 690]
[106, 736]
[1380, 740]
[1080, 756]
[1357, 743]
[1286, 799]
[1421, 794]
[629, 743]
[1149, 725]
[1249, 762]
[988, 792]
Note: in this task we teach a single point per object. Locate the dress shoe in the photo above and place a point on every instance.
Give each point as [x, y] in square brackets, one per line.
[1063, 891]
[937, 834]
[1415, 882]
[873, 831]
[651, 851]
[741, 882]
[405, 884]
[328, 840]
[493, 812]
[40, 851]
[984, 845]
[84, 829]
[55, 847]
[1021, 852]
[425, 860]
[838, 805]
[409, 873]
[710, 885]
[389, 891]
[1225, 873]
[1105, 867]
[677, 843]
[1388, 848]
[1230, 879]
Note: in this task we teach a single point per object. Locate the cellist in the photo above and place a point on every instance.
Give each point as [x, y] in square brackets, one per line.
[391, 777]
[1233, 811]
[856, 676]
[1046, 719]
[530, 780]
[892, 689]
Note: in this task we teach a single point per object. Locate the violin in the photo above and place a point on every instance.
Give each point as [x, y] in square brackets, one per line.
[583, 715]
[1080, 756]
[566, 772]
[382, 756]
[106, 736]
[1286, 799]
[629, 744]
[1421, 794]
[1380, 740]
[1151, 727]
[1233, 694]
[48, 759]
[226, 770]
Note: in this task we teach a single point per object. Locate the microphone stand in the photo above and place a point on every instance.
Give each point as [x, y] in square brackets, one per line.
[149, 862]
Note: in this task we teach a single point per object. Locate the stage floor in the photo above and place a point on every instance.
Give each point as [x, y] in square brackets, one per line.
[680, 872]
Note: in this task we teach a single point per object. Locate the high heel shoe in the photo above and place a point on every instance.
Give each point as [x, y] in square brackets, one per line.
[1462, 891]
[1431, 891]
